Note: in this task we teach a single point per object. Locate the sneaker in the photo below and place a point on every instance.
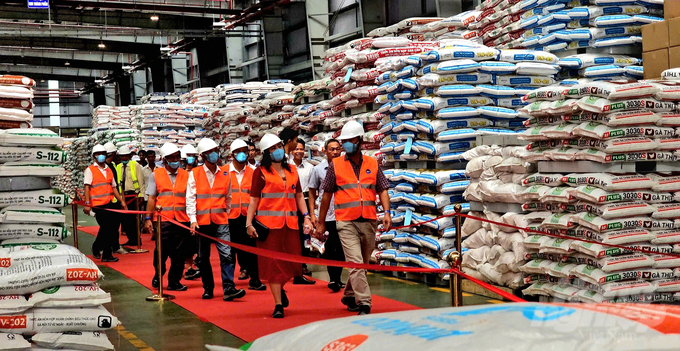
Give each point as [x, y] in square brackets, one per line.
[207, 295]
[233, 293]
[177, 287]
[278, 312]
[256, 286]
[350, 302]
[284, 299]
[364, 309]
[110, 259]
[121, 251]
[192, 274]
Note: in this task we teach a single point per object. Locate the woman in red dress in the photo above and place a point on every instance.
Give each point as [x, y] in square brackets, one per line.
[275, 198]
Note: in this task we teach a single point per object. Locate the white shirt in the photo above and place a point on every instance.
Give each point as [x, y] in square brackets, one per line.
[239, 175]
[88, 175]
[304, 172]
[191, 192]
[318, 175]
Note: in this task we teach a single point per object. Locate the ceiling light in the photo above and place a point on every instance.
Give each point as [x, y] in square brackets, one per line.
[67, 63]
[102, 45]
[154, 17]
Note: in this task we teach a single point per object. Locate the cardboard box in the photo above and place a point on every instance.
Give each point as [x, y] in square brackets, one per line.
[655, 36]
[655, 62]
[673, 27]
[674, 57]
[671, 9]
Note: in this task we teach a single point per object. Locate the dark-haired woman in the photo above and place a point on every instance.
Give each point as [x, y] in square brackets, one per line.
[275, 198]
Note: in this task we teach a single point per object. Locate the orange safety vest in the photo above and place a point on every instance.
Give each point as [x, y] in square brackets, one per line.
[101, 191]
[172, 198]
[355, 198]
[240, 193]
[277, 205]
[211, 203]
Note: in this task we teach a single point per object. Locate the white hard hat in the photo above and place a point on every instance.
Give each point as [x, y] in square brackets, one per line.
[351, 130]
[237, 144]
[188, 150]
[124, 150]
[98, 148]
[168, 149]
[110, 147]
[269, 140]
[206, 144]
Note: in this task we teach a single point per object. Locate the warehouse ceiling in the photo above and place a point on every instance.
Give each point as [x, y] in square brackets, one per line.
[87, 40]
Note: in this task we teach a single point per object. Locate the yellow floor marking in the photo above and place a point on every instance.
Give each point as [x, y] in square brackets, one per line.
[448, 291]
[495, 301]
[133, 339]
[401, 281]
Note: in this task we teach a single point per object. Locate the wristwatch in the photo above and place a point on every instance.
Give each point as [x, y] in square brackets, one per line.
[306, 214]
[248, 226]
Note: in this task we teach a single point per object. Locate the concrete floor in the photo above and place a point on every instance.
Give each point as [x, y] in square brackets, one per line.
[184, 331]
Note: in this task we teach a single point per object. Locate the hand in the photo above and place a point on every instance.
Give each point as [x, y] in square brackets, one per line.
[307, 226]
[251, 231]
[387, 221]
[87, 210]
[193, 227]
[124, 205]
[320, 229]
[148, 225]
[315, 221]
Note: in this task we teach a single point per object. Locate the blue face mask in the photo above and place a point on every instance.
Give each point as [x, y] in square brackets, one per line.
[126, 162]
[277, 155]
[174, 165]
[101, 158]
[213, 157]
[350, 148]
[241, 157]
[191, 160]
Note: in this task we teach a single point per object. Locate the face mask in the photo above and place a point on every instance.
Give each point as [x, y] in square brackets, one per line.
[126, 162]
[241, 157]
[213, 157]
[191, 160]
[174, 165]
[350, 148]
[258, 158]
[277, 155]
[101, 158]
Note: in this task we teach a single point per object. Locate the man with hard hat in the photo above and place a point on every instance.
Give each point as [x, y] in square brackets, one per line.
[208, 203]
[111, 155]
[189, 157]
[241, 180]
[354, 181]
[131, 184]
[189, 162]
[100, 191]
[167, 189]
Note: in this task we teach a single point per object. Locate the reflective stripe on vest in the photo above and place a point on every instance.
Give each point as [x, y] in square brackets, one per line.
[132, 166]
[101, 191]
[172, 197]
[240, 193]
[355, 198]
[211, 202]
[277, 207]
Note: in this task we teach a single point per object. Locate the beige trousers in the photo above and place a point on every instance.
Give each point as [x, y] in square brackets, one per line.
[358, 242]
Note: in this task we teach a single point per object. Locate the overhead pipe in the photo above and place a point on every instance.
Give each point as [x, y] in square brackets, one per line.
[245, 17]
[147, 6]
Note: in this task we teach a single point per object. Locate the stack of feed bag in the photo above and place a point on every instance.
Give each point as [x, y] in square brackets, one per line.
[170, 122]
[16, 101]
[78, 157]
[112, 117]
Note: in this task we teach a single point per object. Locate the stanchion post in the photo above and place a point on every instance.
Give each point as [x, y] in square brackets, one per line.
[456, 281]
[160, 296]
[74, 218]
[139, 231]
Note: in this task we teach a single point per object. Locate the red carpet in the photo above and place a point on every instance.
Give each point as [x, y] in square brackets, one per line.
[250, 317]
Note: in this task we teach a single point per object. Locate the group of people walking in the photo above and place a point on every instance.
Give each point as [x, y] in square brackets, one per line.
[270, 204]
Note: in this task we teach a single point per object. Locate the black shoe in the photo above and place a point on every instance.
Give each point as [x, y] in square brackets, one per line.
[207, 295]
[350, 302]
[301, 280]
[96, 253]
[110, 259]
[256, 286]
[177, 287]
[306, 271]
[155, 283]
[364, 309]
[233, 293]
[192, 274]
[284, 299]
[334, 286]
[278, 312]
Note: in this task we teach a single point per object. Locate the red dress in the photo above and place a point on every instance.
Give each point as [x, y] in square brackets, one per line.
[283, 240]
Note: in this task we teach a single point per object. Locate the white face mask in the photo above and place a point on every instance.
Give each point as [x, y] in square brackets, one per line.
[258, 158]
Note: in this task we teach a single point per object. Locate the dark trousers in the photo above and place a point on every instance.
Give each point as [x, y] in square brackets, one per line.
[173, 238]
[107, 235]
[129, 222]
[226, 259]
[246, 260]
[333, 251]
